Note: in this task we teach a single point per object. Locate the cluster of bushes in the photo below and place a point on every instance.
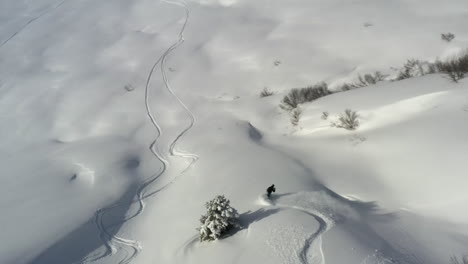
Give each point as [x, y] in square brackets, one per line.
[456, 68]
[348, 120]
[413, 68]
[363, 81]
[302, 95]
[298, 96]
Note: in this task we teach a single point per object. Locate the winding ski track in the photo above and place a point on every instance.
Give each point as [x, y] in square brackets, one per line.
[112, 242]
[27, 24]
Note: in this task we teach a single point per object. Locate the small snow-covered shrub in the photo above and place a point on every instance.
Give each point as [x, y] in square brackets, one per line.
[447, 36]
[219, 218]
[266, 92]
[348, 120]
[296, 116]
[455, 68]
[302, 95]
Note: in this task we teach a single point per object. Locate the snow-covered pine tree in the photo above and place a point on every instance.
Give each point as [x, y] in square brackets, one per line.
[219, 218]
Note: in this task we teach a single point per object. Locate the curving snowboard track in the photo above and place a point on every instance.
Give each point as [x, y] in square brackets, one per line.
[3, 43]
[312, 248]
[314, 240]
[131, 248]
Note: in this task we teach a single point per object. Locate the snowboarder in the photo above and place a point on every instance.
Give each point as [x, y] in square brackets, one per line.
[270, 190]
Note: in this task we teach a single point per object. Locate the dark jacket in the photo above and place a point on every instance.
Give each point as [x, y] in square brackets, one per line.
[271, 189]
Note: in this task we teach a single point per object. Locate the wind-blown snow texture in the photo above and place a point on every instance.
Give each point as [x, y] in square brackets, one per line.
[120, 119]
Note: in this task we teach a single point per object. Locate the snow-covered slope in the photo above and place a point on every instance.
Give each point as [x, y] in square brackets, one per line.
[120, 119]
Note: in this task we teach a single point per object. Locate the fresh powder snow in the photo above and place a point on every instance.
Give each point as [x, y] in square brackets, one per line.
[121, 119]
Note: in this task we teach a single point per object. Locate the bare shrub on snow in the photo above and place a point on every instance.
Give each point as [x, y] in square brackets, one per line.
[415, 68]
[296, 116]
[266, 92]
[219, 218]
[302, 95]
[325, 115]
[447, 36]
[348, 120]
[412, 68]
[369, 79]
[455, 68]
[363, 81]
[346, 87]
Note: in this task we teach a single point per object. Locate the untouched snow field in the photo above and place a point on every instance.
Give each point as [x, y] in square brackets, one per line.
[120, 119]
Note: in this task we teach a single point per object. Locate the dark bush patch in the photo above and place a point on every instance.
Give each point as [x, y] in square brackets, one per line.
[412, 68]
[266, 92]
[348, 120]
[302, 95]
[296, 116]
[325, 115]
[363, 81]
[447, 36]
[455, 68]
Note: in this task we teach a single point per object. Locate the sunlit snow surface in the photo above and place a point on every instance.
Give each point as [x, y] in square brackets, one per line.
[120, 119]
